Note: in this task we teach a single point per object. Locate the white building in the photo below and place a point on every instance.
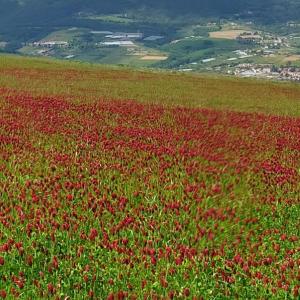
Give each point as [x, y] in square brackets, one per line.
[118, 43]
[50, 44]
[125, 36]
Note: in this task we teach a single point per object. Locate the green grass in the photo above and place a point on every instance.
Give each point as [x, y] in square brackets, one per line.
[94, 81]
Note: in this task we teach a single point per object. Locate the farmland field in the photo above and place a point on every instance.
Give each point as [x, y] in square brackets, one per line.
[292, 58]
[154, 57]
[226, 34]
[116, 183]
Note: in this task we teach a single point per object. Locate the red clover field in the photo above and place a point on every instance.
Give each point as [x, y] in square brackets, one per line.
[124, 184]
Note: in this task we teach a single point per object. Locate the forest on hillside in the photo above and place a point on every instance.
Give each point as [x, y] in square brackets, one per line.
[35, 11]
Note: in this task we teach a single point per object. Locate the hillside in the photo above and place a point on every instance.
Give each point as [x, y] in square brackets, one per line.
[125, 184]
[33, 11]
[155, 87]
[44, 15]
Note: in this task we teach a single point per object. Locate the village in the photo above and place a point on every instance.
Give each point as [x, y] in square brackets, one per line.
[267, 71]
[261, 55]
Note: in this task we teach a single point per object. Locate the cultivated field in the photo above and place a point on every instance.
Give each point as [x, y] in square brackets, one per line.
[292, 58]
[154, 57]
[118, 183]
[226, 34]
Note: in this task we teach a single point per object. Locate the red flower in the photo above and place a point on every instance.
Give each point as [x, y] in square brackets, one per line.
[276, 247]
[93, 234]
[186, 292]
[29, 260]
[91, 294]
[283, 237]
[55, 262]
[110, 297]
[153, 260]
[51, 288]
[69, 197]
[296, 291]
[144, 283]
[3, 294]
[163, 282]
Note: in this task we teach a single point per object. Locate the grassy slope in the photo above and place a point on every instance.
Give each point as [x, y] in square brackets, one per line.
[92, 82]
[122, 196]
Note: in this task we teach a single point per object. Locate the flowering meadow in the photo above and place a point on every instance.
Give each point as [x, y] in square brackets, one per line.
[107, 192]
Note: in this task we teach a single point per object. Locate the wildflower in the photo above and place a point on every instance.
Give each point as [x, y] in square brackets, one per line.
[3, 294]
[51, 288]
[186, 292]
[93, 234]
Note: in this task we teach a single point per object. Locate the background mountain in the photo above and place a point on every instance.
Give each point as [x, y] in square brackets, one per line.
[36, 12]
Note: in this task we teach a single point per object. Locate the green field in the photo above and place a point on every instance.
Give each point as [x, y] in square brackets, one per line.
[157, 86]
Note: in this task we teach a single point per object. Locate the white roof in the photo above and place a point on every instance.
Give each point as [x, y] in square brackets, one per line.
[118, 43]
[208, 59]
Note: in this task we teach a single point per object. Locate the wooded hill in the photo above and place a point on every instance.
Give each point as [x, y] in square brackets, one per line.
[46, 11]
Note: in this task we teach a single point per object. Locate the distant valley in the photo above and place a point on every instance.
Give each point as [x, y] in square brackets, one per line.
[237, 41]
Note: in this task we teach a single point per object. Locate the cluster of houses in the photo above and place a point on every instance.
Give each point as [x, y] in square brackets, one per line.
[2, 44]
[50, 44]
[290, 73]
[256, 38]
[253, 70]
[267, 71]
[293, 24]
[249, 38]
